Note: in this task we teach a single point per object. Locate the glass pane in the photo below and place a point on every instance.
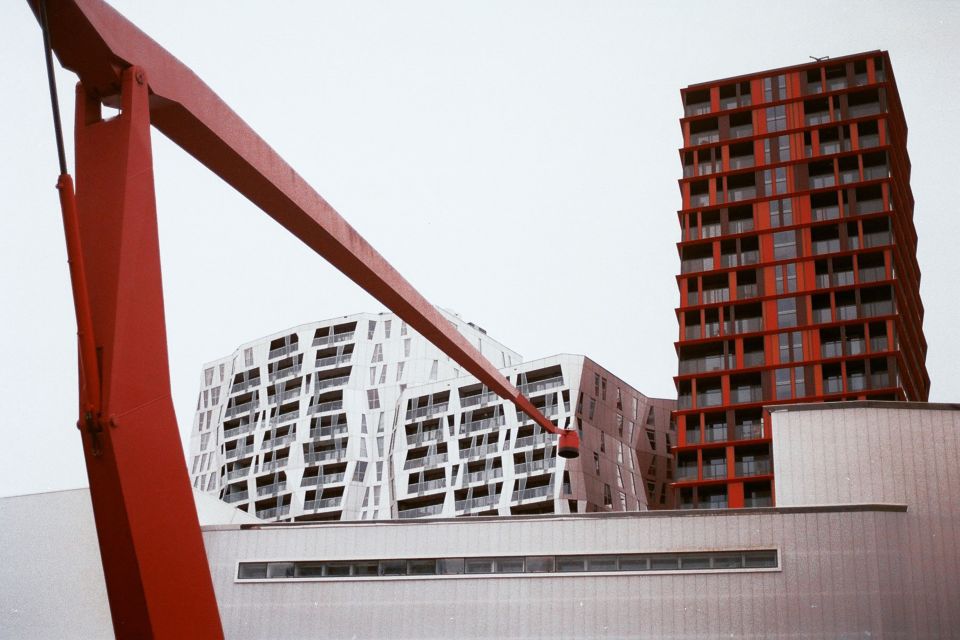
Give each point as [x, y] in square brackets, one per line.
[309, 569]
[421, 567]
[365, 569]
[695, 562]
[634, 563]
[570, 564]
[252, 570]
[393, 568]
[450, 566]
[733, 561]
[280, 570]
[338, 569]
[602, 563]
[479, 565]
[663, 564]
[760, 559]
[509, 565]
[539, 564]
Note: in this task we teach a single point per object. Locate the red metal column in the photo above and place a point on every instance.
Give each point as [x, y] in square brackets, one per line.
[157, 576]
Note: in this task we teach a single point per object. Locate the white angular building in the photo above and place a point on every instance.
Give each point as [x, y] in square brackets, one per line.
[293, 426]
[361, 418]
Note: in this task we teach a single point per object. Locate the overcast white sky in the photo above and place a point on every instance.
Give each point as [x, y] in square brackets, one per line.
[516, 161]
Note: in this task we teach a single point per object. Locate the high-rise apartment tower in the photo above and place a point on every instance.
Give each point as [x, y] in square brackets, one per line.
[799, 278]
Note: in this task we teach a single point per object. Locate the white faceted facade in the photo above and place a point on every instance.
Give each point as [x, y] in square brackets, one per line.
[294, 426]
[458, 449]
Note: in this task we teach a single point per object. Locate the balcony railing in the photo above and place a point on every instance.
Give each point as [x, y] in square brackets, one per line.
[743, 193]
[709, 398]
[741, 162]
[477, 503]
[741, 131]
[238, 431]
[541, 385]
[870, 141]
[692, 436]
[428, 485]
[268, 489]
[479, 399]
[332, 382]
[753, 468]
[747, 291]
[239, 451]
[467, 428]
[698, 264]
[331, 361]
[748, 431]
[711, 296]
[324, 454]
[273, 443]
[241, 408]
[283, 397]
[238, 473]
[712, 363]
[322, 341]
[481, 450]
[236, 496]
[246, 384]
[879, 308]
[482, 476]
[740, 395]
[329, 431]
[420, 437]
[873, 274]
[532, 494]
[534, 440]
[426, 461]
[285, 417]
[324, 407]
[715, 434]
[535, 466]
[714, 471]
[869, 206]
[747, 325]
[753, 359]
[286, 372]
[282, 351]
[319, 481]
[422, 412]
[760, 501]
[275, 512]
[322, 503]
[273, 464]
[687, 472]
[421, 512]
[704, 137]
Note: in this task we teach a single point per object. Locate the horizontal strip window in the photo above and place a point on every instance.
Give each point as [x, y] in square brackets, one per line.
[763, 559]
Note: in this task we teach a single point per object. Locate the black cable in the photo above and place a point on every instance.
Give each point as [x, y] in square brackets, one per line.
[54, 102]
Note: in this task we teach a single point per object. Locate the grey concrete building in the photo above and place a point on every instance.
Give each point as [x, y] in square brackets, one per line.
[863, 543]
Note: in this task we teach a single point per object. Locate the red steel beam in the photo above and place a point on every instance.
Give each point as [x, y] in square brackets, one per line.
[97, 43]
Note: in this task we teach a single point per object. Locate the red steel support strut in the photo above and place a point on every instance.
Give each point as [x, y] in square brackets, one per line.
[157, 577]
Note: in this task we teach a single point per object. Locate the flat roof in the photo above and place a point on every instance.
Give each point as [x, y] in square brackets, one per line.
[778, 70]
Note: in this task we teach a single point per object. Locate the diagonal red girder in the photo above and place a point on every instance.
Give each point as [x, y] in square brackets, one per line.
[93, 40]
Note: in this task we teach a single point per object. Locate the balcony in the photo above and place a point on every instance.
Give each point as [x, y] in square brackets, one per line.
[239, 452]
[867, 142]
[324, 454]
[880, 380]
[753, 359]
[741, 131]
[700, 200]
[743, 193]
[822, 181]
[329, 383]
[759, 501]
[712, 471]
[236, 496]
[421, 512]
[711, 363]
[869, 206]
[879, 308]
[712, 296]
[319, 480]
[423, 412]
[420, 488]
[833, 385]
[474, 426]
[741, 226]
[709, 398]
[246, 384]
[686, 472]
[482, 476]
[747, 291]
[873, 274]
[535, 440]
[747, 468]
[329, 431]
[536, 466]
[704, 137]
[825, 213]
[848, 177]
[532, 494]
[748, 431]
[270, 489]
[479, 451]
[336, 338]
[236, 410]
[275, 512]
[877, 239]
[684, 401]
[697, 109]
[285, 417]
[283, 397]
[717, 433]
[286, 372]
[483, 502]
[748, 325]
[741, 162]
[425, 461]
[278, 442]
[422, 437]
[860, 110]
[238, 473]
[324, 407]
[692, 436]
[696, 264]
[542, 385]
[876, 172]
[830, 245]
[273, 464]
[742, 395]
[238, 431]
[820, 117]
[282, 351]
[333, 361]
[711, 230]
[322, 503]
